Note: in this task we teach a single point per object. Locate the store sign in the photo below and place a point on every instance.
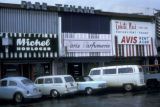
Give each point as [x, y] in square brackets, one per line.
[134, 40]
[132, 32]
[73, 8]
[60, 7]
[87, 43]
[33, 45]
[29, 45]
[36, 6]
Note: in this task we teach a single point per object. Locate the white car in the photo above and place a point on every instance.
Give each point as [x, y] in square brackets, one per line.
[56, 85]
[17, 89]
[88, 85]
[122, 76]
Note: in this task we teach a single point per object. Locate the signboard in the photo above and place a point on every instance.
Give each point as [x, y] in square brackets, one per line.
[30, 46]
[132, 32]
[66, 8]
[134, 38]
[88, 43]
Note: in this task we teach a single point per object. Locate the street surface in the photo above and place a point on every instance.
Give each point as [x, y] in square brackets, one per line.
[113, 99]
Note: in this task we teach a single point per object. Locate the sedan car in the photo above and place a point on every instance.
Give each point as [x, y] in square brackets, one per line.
[88, 85]
[18, 89]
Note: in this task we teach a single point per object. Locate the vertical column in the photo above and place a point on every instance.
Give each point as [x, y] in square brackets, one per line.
[116, 45]
[0, 70]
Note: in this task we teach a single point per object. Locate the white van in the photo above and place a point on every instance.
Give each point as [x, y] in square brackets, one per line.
[126, 76]
[56, 85]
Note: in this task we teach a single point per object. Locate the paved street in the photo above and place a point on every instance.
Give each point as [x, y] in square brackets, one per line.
[114, 99]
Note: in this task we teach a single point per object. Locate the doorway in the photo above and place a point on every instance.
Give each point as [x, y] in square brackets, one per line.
[75, 69]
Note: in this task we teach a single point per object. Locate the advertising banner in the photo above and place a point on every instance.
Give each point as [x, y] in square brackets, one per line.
[83, 44]
[28, 45]
[134, 38]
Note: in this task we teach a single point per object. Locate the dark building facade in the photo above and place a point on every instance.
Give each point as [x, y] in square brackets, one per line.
[36, 39]
[28, 41]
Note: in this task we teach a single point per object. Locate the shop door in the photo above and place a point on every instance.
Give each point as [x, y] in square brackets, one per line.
[75, 69]
[11, 70]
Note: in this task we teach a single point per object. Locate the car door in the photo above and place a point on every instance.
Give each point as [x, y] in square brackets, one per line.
[59, 85]
[3, 89]
[39, 83]
[48, 85]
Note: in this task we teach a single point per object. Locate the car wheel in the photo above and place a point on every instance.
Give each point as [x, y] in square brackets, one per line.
[54, 94]
[128, 87]
[89, 91]
[18, 98]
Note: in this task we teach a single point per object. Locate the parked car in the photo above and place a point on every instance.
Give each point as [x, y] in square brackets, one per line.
[18, 89]
[126, 76]
[88, 85]
[56, 85]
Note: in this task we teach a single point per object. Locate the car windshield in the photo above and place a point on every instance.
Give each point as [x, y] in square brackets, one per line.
[26, 81]
[83, 79]
[69, 79]
[88, 79]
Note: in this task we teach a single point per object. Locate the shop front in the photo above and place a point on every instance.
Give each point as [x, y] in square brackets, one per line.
[29, 55]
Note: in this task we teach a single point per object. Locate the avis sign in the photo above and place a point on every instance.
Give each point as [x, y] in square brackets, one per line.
[134, 40]
[133, 32]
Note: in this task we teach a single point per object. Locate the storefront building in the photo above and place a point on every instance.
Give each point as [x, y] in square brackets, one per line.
[28, 40]
[37, 39]
[102, 39]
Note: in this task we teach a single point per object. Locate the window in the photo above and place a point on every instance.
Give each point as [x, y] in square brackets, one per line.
[109, 71]
[140, 69]
[125, 70]
[12, 83]
[58, 80]
[3, 83]
[69, 79]
[48, 81]
[95, 72]
[39, 81]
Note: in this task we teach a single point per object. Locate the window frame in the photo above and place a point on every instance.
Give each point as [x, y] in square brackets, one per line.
[55, 81]
[97, 70]
[6, 84]
[37, 81]
[119, 72]
[115, 71]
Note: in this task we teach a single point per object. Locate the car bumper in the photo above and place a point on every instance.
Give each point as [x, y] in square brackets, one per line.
[33, 96]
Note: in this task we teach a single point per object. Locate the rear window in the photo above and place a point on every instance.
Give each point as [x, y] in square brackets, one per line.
[125, 70]
[109, 71]
[69, 79]
[3, 83]
[95, 72]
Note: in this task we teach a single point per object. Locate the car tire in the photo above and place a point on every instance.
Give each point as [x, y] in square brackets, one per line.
[89, 91]
[128, 87]
[54, 94]
[18, 97]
